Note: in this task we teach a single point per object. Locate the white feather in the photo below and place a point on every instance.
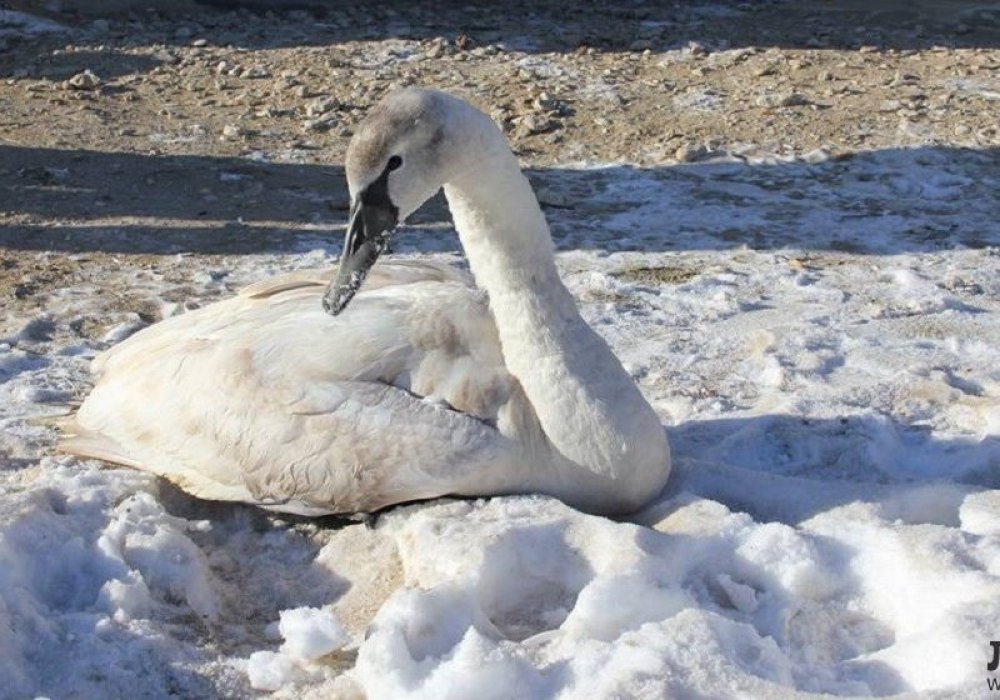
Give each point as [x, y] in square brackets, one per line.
[420, 388]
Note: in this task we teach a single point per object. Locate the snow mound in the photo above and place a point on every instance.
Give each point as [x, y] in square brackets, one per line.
[91, 570]
[520, 597]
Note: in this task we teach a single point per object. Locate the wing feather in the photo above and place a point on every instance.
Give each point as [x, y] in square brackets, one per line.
[265, 398]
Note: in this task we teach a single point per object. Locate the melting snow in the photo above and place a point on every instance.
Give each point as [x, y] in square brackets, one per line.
[820, 340]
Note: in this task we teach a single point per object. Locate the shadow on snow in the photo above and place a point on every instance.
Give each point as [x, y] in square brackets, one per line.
[889, 201]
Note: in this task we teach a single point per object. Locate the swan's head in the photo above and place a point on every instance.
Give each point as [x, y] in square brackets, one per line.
[406, 148]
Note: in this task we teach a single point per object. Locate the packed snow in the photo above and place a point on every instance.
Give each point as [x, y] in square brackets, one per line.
[819, 337]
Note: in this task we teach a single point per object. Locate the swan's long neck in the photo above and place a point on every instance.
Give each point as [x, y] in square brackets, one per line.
[589, 408]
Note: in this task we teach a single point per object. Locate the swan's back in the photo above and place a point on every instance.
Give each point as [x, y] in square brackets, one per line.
[265, 398]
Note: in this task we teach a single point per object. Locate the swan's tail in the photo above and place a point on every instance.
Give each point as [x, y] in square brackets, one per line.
[94, 445]
[90, 445]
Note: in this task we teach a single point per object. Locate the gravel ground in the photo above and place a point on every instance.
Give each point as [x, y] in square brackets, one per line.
[803, 194]
[128, 137]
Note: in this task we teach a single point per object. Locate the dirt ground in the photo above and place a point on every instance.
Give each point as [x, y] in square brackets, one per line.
[130, 141]
[153, 160]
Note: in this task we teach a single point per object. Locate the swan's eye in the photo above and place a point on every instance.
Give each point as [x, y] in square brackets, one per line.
[394, 163]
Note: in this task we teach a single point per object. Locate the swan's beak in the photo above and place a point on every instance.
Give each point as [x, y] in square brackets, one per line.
[368, 234]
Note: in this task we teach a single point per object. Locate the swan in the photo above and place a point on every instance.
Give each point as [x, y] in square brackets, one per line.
[353, 390]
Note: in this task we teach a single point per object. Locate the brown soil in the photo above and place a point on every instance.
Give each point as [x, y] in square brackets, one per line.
[221, 133]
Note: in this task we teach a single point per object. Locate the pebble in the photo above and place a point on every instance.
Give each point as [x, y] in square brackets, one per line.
[548, 103]
[165, 56]
[696, 48]
[904, 79]
[255, 73]
[231, 132]
[272, 111]
[321, 106]
[816, 156]
[322, 124]
[531, 124]
[793, 99]
[789, 99]
[84, 81]
[691, 153]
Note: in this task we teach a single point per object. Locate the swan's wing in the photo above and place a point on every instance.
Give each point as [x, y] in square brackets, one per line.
[346, 447]
[397, 272]
[276, 305]
[265, 398]
[287, 282]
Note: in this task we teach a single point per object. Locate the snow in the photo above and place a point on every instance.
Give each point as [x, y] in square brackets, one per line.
[310, 633]
[819, 338]
[268, 670]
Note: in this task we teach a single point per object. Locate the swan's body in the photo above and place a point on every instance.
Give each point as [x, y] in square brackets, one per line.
[424, 386]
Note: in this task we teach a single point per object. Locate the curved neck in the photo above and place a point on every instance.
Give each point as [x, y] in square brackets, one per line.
[589, 408]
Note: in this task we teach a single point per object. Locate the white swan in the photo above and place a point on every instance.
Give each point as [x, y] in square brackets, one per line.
[425, 386]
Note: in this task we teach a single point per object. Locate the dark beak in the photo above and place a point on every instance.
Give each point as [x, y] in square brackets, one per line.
[368, 232]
